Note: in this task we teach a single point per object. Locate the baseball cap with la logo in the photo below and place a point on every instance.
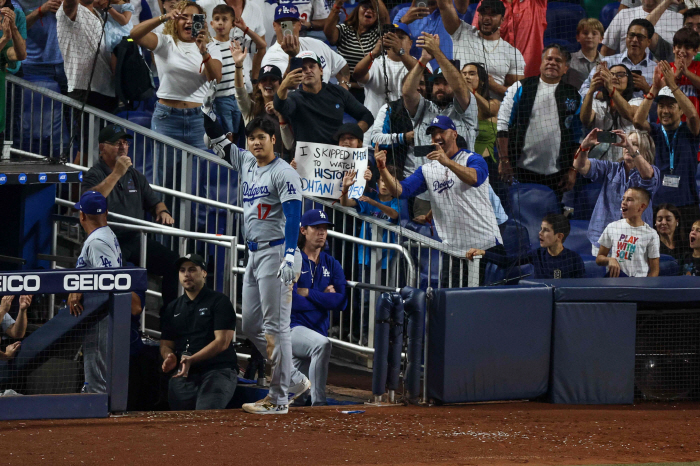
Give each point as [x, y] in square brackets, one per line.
[286, 11]
[270, 71]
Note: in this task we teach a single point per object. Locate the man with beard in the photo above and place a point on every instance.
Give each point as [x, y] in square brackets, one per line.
[536, 125]
[451, 97]
[636, 58]
[503, 62]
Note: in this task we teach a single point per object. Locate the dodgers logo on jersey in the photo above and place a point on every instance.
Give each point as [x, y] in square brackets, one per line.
[252, 192]
[290, 188]
[440, 186]
[326, 272]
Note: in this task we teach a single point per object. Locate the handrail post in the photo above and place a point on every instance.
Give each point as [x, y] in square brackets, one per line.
[142, 263]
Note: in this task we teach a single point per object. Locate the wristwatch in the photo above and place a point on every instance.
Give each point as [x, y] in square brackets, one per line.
[401, 52]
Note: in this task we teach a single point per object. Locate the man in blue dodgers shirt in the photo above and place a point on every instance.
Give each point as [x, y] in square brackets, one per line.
[320, 289]
[457, 182]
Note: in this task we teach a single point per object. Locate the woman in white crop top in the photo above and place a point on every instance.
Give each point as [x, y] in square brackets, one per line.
[186, 65]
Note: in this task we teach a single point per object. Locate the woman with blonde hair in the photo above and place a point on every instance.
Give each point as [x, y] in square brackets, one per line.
[186, 65]
[635, 169]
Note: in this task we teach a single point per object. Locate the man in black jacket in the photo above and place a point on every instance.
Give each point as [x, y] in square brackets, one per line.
[316, 110]
[537, 125]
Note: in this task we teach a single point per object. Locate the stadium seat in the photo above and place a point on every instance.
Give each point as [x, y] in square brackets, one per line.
[608, 12]
[396, 9]
[585, 197]
[41, 121]
[139, 117]
[564, 43]
[529, 204]
[593, 270]
[668, 267]
[516, 239]
[578, 240]
[562, 20]
[471, 11]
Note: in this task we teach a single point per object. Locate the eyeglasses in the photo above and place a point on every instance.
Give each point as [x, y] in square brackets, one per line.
[620, 75]
[121, 143]
[634, 35]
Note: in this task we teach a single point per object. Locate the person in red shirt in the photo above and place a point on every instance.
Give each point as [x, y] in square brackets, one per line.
[523, 27]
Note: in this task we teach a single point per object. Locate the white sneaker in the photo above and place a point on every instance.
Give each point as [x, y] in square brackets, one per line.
[299, 389]
[265, 406]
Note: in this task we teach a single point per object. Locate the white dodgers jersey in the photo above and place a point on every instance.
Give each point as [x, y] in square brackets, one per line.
[100, 250]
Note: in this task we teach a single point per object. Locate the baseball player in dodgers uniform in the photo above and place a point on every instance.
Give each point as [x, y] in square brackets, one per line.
[100, 250]
[272, 212]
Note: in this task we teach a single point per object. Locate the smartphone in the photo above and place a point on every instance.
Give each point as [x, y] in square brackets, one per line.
[197, 24]
[295, 63]
[287, 28]
[638, 73]
[607, 136]
[423, 151]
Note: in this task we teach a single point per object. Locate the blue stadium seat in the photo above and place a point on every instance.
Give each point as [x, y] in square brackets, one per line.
[41, 121]
[608, 13]
[571, 47]
[529, 204]
[578, 240]
[396, 9]
[668, 267]
[593, 270]
[516, 239]
[562, 20]
[471, 11]
[585, 197]
[139, 117]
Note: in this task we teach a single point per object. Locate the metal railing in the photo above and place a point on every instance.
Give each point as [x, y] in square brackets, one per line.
[203, 194]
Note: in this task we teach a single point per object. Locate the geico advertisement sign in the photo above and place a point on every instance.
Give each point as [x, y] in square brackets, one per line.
[71, 282]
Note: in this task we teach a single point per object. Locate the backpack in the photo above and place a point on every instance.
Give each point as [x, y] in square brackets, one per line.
[134, 81]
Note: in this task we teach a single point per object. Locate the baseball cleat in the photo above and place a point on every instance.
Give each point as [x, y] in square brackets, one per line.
[299, 389]
[265, 406]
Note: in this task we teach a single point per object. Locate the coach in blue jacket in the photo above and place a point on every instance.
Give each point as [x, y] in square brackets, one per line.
[320, 289]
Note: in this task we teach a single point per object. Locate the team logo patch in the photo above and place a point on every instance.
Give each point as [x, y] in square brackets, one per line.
[326, 272]
[440, 186]
[322, 214]
[568, 121]
[267, 69]
[251, 193]
[570, 105]
[290, 188]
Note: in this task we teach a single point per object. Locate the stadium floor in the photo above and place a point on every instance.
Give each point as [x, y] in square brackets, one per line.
[493, 433]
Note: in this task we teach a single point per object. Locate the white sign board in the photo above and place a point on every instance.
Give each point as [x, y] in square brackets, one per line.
[323, 166]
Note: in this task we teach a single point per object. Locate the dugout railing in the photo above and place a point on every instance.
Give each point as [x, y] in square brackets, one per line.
[203, 195]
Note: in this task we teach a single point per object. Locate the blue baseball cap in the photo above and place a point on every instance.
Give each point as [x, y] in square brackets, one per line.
[404, 27]
[92, 203]
[442, 122]
[286, 11]
[314, 217]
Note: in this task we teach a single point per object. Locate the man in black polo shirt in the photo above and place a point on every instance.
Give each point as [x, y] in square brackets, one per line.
[196, 334]
[316, 110]
[128, 193]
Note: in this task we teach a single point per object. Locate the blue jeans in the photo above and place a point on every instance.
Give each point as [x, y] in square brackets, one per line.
[226, 109]
[183, 124]
[41, 72]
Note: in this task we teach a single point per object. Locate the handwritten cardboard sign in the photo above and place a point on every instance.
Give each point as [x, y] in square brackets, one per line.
[323, 166]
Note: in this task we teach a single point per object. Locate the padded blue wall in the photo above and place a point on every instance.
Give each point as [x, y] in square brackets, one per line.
[489, 343]
[593, 353]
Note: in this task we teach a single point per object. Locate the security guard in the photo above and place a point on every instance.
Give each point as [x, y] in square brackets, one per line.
[197, 331]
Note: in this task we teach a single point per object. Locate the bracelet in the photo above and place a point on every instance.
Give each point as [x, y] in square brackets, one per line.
[504, 160]
[371, 57]
[40, 13]
[613, 92]
[204, 61]
[421, 64]
[674, 90]
[162, 18]
[646, 96]
[581, 149]
[239, 67]
[246, 30]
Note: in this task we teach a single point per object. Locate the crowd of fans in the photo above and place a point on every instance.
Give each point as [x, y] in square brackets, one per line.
[457, 112]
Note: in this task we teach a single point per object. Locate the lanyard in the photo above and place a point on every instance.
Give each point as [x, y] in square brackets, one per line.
[672, 144]
[313, 271]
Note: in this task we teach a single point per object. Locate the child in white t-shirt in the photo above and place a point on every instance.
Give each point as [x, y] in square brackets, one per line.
[629, 247]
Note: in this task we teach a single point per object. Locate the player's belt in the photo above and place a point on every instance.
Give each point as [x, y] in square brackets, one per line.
[259, 246]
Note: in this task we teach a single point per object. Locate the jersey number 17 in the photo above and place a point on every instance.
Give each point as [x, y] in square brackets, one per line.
[264, 211]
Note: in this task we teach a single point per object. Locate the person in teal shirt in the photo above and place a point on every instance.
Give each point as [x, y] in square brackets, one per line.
[17, 22]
